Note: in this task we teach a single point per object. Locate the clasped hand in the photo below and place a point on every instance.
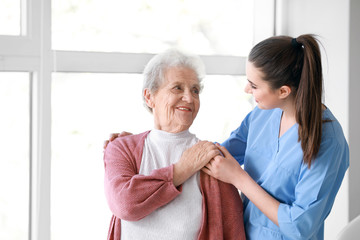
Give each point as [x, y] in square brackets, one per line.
[223, 167]
[213, 159]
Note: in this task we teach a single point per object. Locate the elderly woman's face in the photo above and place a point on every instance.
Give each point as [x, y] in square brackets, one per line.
[176, 103]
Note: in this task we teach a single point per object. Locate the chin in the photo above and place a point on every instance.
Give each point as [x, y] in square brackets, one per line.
[263, 107]
[186, 121]
[260, 106]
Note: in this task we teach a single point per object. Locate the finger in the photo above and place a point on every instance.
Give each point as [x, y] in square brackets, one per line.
[213, 153]
[124, 133]
[219, 147]
[207, 143]
[203, 143]
[209, 166]
[113, 136]
[206, 170]
[210, 145]
[223, 150]
[105, 144]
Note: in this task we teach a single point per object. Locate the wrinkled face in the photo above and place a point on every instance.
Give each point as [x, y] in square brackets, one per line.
[176, 103]
[265, 97]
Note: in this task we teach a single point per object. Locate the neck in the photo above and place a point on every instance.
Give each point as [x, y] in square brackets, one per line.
[170, 129]
[289, 110]
[288, 119]
[289, 115]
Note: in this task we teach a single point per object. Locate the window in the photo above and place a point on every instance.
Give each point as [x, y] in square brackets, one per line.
[85, 109]
[150, 26]
[110, 103]
[73, 75]
[10, 17]
[218, 116]
[14, 155]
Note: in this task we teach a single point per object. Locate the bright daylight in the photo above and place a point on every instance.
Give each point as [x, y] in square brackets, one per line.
[280, 94]
[87, 107]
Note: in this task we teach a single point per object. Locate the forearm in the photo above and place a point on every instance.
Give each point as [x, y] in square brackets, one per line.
[257, 195]
[130, 195]
[181, 173]
[134, 197]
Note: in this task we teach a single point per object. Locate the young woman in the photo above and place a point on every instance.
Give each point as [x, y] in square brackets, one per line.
[292, 148]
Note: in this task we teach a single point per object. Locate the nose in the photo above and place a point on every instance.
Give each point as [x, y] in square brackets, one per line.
[247, 88]
[188, 97]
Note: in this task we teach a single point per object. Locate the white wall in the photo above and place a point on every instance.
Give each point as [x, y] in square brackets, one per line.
[354, 113]
[334, 21]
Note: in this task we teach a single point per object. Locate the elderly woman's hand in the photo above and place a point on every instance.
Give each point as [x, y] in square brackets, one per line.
[194, 159]
[224, 167]
[113, 136]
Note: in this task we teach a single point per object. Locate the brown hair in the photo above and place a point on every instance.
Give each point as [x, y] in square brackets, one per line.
[296, 63]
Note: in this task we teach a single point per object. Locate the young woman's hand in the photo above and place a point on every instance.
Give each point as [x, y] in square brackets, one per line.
[227, 169]
[114, 136]
[223, 167]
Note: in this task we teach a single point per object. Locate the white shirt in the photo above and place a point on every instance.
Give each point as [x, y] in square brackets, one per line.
[180, 218]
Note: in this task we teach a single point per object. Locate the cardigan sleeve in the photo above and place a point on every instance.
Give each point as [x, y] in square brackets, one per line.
[132, 196]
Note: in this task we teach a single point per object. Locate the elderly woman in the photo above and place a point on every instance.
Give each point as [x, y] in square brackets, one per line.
[152, 180]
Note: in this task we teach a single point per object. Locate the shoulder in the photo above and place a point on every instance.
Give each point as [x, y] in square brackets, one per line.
[332, 132]
[127, 143]
[131, 140]
[258, 113]
[333, 142]
[260, 116]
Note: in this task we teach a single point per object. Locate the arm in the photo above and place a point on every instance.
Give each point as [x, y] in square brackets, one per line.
[315, 191]
[236, 143]
[132, 196]
[228, 170]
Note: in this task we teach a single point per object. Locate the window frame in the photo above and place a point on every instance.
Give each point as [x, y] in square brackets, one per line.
[31, 52]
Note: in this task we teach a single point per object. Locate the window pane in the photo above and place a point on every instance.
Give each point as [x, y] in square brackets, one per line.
[224, 104]
[10, 17]
[14, 155]
[222, 27]
[86, 108]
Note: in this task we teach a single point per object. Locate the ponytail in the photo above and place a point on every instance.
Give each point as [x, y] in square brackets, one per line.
[296, 63]
[308, 100]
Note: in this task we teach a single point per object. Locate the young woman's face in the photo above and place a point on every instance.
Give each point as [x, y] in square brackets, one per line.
[177, 102]
[265, 97]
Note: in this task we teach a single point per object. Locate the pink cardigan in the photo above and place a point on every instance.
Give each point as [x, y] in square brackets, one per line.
[132, 196]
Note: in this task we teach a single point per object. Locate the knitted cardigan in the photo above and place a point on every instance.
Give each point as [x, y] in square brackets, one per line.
[132, 196]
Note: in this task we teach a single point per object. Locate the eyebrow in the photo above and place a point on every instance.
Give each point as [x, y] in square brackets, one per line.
[196, 85]
[180, 83]
[251, 82]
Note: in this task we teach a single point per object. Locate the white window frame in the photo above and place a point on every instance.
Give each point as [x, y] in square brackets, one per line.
[31, 52]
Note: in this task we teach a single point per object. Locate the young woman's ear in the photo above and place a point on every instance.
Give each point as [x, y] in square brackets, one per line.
[284, 91]
[149, 100]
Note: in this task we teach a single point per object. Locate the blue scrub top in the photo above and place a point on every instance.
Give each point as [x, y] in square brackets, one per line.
[306, 195]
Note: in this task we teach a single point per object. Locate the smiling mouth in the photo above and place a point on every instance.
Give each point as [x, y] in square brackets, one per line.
[184, 109]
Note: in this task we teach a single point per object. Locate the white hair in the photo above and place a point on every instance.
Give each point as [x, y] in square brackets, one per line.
[157, 66]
